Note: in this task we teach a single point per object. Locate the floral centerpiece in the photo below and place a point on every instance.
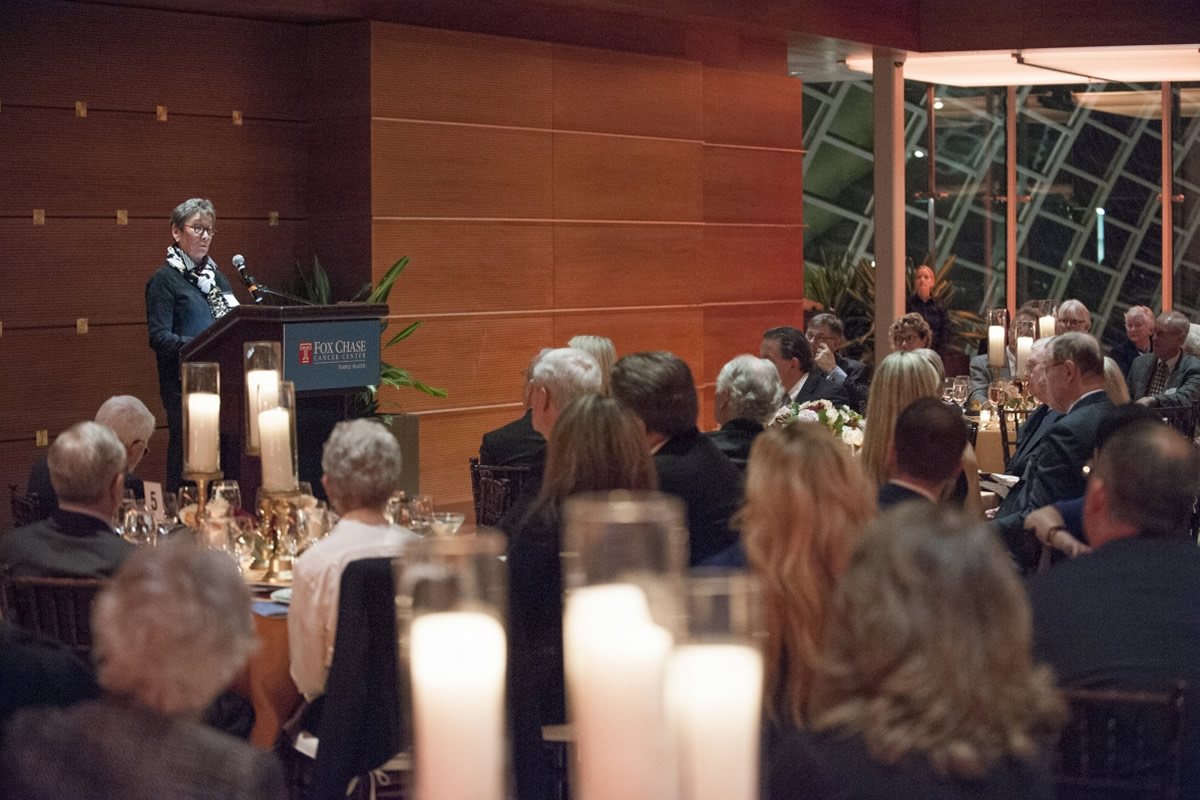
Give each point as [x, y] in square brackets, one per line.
[844, 422]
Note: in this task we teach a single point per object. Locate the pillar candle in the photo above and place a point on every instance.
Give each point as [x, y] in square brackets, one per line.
[715, 695]
[458, 668]
[275, 441]
[1024, 346]
[615, 658]
[262, 392]
[204, 438]
[1045, 326]
[996, 357]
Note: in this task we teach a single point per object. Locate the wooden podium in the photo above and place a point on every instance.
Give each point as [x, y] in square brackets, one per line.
[330, 352]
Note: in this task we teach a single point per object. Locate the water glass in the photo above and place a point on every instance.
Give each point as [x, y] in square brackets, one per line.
[960, 389]
[420, 512]
[226, 500]
[138, 526]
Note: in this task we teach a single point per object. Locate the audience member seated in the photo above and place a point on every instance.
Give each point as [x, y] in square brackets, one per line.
[133, 423]
[926, 455]
[1042, 418]
[361, 462]
[516, 444]
[1072, 316]
[1127, 614]
[806, 501]
[926, 687]
[1139, 328]
[746, 398]
[911, 332]
[87, 466]
[1075, 382]
[983, 376]
[172, 630]
[600, 348]
[825, 335]
[596, 445]
[36, 671]
[658, 387]
[1167, 377]
[788, 350]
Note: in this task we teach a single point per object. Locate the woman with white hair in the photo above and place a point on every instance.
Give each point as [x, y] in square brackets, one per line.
[170, 632]
[361, 462]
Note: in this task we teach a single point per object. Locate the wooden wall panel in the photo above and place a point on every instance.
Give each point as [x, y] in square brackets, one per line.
[466, 266]
[422, 170]
[339, 176]
[752, 109]
[625, 265]
[732, 330]
[608, 92]
[337, 71]
[678, 330]
[479, 360]
[755, 186]
[92, 166]
[618, 178]
[448, 441]
[55, 273]
[752, 263]
[459, 77]
[55, 377]
[135, 59]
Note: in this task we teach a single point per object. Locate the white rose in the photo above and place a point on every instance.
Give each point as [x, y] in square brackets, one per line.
[808, 415]
[852, 437]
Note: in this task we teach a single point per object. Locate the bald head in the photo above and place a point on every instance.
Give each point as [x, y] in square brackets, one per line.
[1170, 332]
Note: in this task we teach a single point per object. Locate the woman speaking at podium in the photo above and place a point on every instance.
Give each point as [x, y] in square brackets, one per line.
[183, 297]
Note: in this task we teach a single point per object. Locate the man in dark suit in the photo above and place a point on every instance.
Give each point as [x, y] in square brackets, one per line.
[926, 454]
[1166, 377]
[746, 397]
[134, 425]
[658, 386]
[1041, 419]
[787, 348]
[1139, 328]
[825, 335]
[1127, 615]
[1075, 381]
[517, 443]
[981, 373]
[87, 468]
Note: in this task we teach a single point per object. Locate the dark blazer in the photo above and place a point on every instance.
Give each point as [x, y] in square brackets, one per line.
[39, 483]
[1056, 472]
[35, 671]
[105, 748]
[1124, 354]
[1183, 385]
[1125, 616]
[891, 494]
[817, 387]
[514, 444]
[176, 312]
[936, 315]
[1029, 436]
[65, 544]
[692, 468]
[857, 383]
[734, 440]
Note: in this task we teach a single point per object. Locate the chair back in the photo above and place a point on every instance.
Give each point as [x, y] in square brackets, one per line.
[494, 489]
[24, 507]
[1181, 418]
[1121, 744]
[60, 608]
[1011, 420]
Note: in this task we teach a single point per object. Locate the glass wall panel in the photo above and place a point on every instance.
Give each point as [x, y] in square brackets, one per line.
[1185, 126]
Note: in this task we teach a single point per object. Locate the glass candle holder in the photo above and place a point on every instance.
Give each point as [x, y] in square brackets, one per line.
[997, 326]
[277, 442]
[263, 368]
[451, 608]
[1025, 332]
[714, 686]
[1046, 311]
[201, 417]
[623, 559]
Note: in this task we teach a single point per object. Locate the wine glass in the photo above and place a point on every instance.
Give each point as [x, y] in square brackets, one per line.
[960, 389]
[420, 512]
[138, 525]
[242, 535]
[948, 390]
[226, 499]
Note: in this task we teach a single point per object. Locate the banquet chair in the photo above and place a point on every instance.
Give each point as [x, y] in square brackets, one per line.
[1121, 744]
[24, 507]
[1011, 420]
[60, 608]
[1181, 418]
[491, 502]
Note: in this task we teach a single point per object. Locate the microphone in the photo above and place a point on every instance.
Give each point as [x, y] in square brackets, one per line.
[240, 264]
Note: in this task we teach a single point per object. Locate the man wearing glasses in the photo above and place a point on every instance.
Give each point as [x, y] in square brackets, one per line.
[825, 333]
[1166, 377]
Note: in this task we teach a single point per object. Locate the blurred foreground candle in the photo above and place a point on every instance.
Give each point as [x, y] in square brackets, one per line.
[997, 319]
[201, 417]
[277, 442]
[1045, 326]
[457, 661]
[262, 366]
[1025, 336]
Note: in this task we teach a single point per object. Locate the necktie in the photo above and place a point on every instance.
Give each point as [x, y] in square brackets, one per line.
[1158, 379]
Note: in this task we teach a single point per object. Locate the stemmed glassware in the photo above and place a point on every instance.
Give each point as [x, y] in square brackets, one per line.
[960, 389]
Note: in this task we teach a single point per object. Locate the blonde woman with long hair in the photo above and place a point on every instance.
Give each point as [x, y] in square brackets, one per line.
[601, 348]
[806, 500]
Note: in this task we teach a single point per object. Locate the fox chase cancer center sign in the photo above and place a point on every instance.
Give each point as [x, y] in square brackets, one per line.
[331, 355]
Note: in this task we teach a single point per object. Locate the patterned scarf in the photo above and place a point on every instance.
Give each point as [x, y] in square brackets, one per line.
[203, 277]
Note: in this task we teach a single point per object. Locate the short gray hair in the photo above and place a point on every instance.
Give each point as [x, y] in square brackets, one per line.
[1175, 322]
[753, 387]
[1191, 345]
[190, 208]
[601, 349]
[1080, 348]
[84, 460]
[566, 373]
[128, 417]
[362, 465]
[1140, 311]
[173, 628]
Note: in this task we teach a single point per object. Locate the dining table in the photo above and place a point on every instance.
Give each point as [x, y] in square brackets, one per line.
[266, 680]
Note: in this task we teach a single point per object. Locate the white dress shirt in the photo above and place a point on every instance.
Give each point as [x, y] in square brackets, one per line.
[317, 580]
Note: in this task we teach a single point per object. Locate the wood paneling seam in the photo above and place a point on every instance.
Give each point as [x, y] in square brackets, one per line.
[565, 131]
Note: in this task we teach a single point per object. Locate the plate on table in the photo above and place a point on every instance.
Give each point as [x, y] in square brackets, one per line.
[283, 596]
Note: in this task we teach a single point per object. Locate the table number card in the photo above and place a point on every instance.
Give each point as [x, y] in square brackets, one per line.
[154, 500]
